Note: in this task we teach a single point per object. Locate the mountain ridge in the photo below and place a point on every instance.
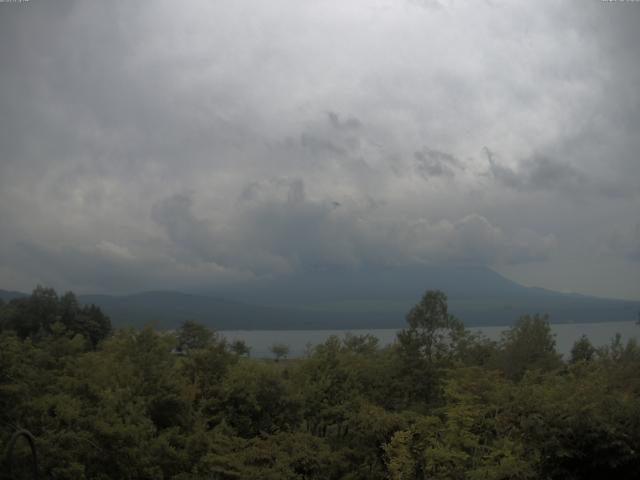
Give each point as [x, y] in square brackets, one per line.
[352, 298]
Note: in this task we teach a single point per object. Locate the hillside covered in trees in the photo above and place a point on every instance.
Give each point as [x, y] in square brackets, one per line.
[440, 403]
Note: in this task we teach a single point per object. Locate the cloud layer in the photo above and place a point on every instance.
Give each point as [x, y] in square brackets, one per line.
[159, 145]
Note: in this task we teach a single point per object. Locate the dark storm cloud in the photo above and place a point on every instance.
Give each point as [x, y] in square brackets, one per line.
[112, 268]
[157, 145]
[505, 175]
[537, 173]
[351, 123]
[337, 138]
[191, 234]
[275, 225]
[547, 174]
[434, 163]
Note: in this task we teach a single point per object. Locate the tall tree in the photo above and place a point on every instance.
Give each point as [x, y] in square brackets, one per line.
[279, 350]
[432, 332]
[193, 336]
[582, 350]
[240, 348]
[428, 344]
[529, 345]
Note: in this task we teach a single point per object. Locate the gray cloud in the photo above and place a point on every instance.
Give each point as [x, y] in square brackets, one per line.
[155, 145]
[541, 173]
[434, 163]
[625, 241]
[114, 268]
[174, 214]
[537, 173]
[275, 226]
[351, 123]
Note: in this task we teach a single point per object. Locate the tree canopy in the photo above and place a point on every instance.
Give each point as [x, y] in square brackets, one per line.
[439, 403]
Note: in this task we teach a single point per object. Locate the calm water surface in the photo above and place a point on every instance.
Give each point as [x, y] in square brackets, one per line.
[299, 340]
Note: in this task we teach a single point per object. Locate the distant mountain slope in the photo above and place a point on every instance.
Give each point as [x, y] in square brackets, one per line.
[389, 283]
[7, 295]
[382, 296]
[167, 309]
[365, 298]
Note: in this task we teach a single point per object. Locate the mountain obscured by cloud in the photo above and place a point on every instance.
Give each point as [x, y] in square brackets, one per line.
[161, 145]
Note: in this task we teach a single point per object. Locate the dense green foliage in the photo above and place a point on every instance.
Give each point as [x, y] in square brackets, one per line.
[440, 403]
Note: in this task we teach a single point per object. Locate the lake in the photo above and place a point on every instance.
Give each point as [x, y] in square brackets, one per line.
[297, 340]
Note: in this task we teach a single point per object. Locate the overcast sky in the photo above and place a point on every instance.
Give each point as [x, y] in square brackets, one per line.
[164, 144]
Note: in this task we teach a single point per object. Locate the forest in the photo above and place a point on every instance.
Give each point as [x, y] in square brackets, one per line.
[439, 403]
